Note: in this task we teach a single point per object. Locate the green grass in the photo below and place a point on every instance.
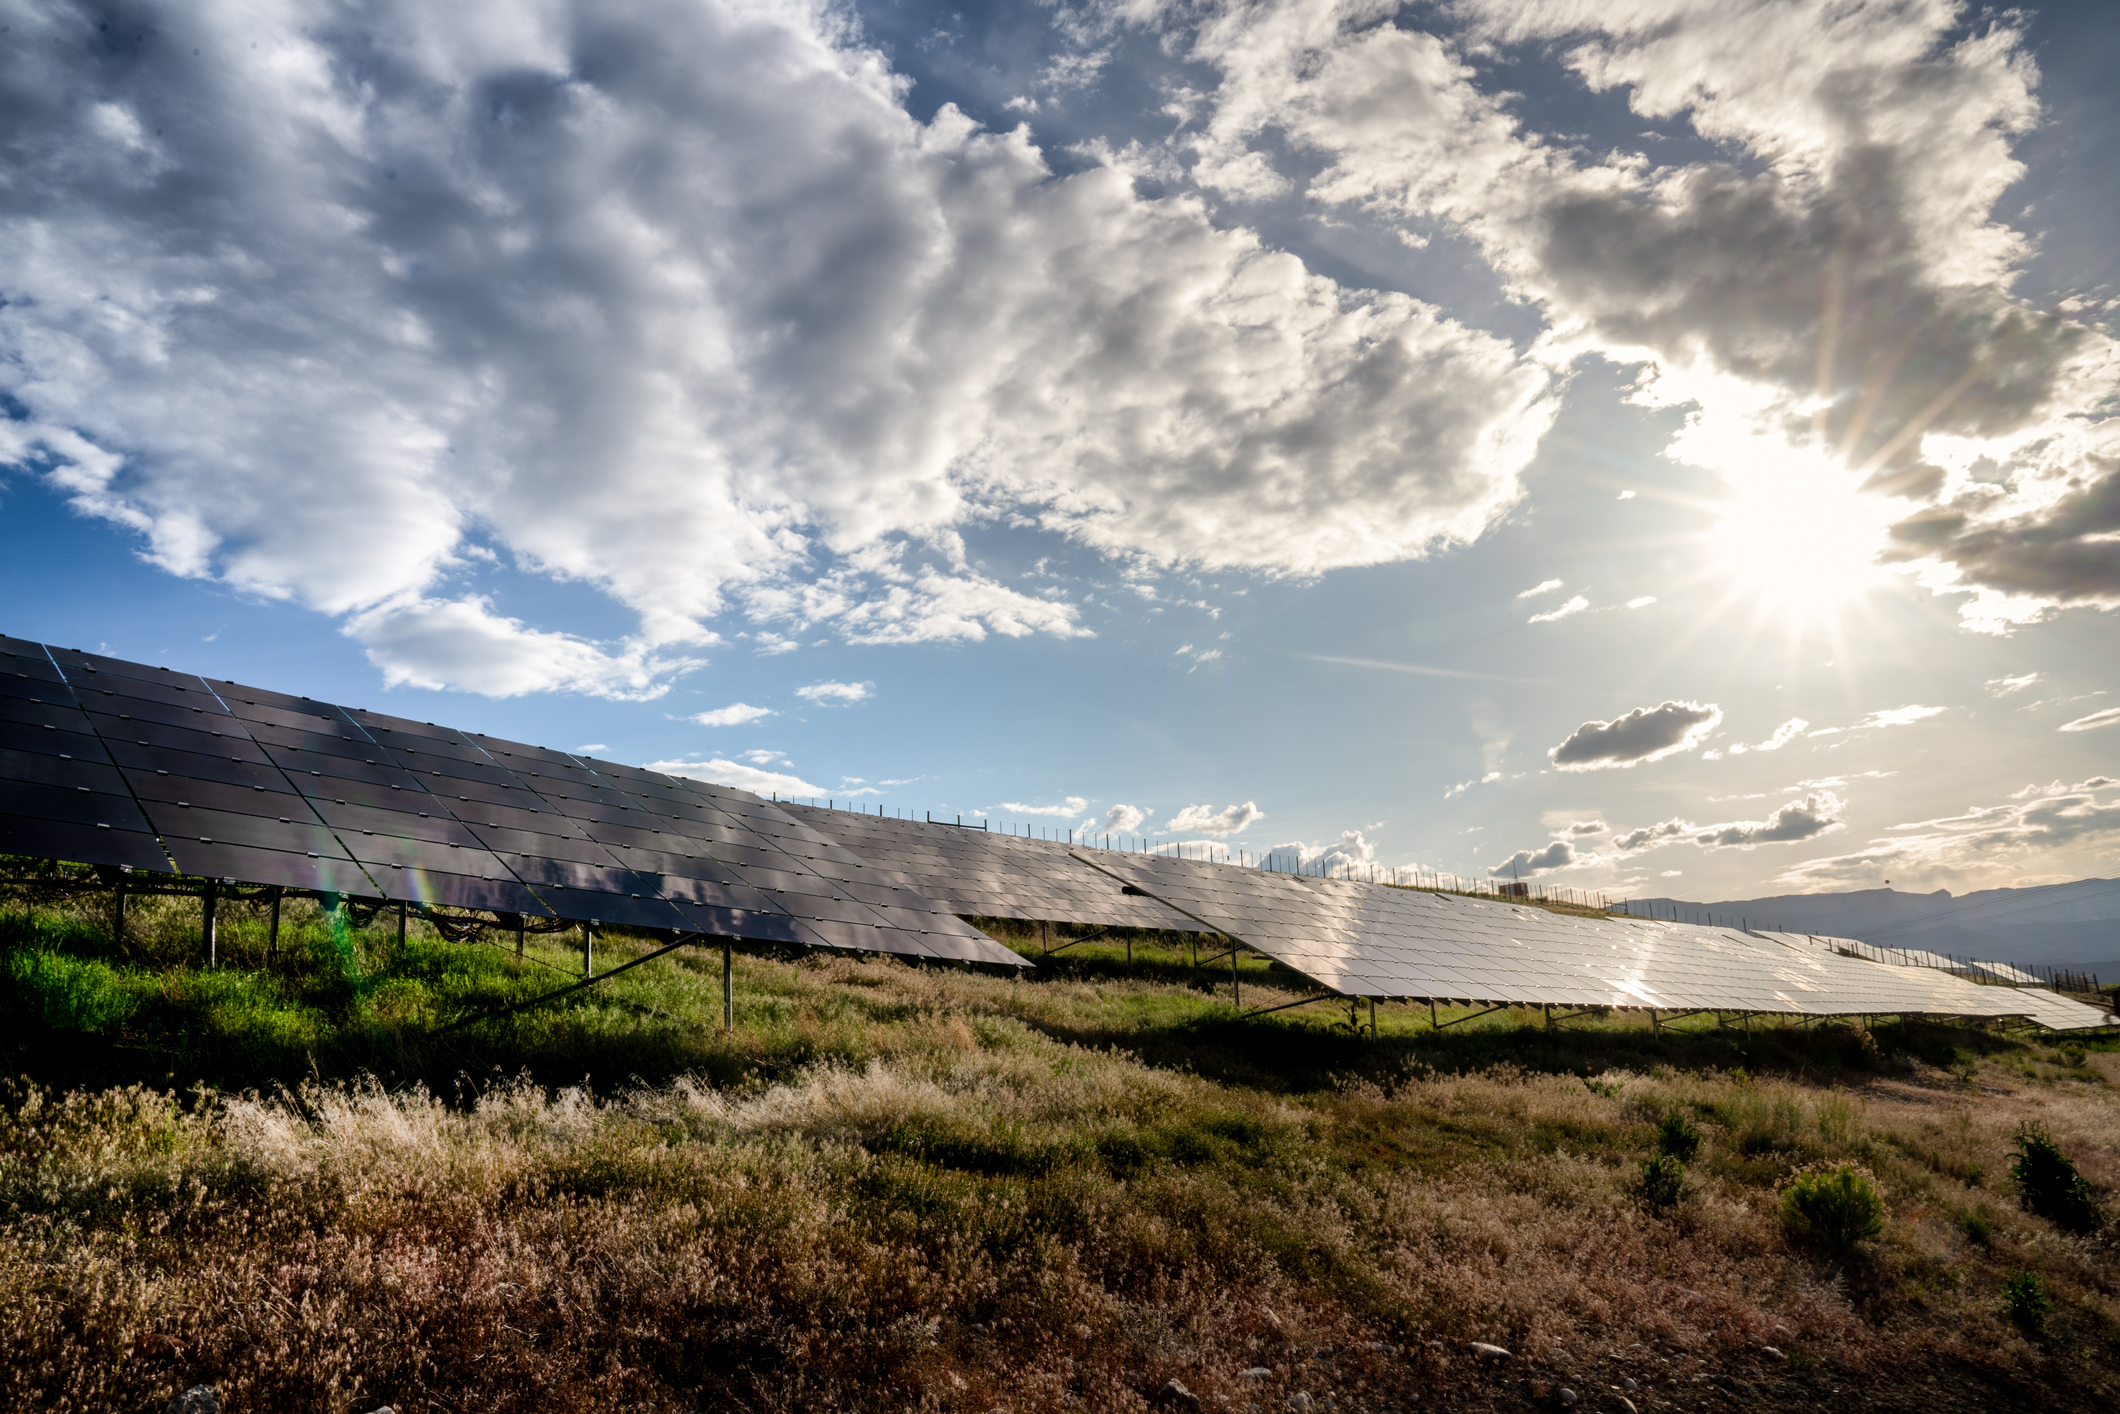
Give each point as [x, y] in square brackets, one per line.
[894, 1186]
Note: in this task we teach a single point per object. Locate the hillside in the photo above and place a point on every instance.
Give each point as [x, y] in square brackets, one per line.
[317, 1181]
[2068, 925]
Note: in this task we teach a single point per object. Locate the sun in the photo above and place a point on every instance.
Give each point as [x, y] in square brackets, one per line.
[1798, 536]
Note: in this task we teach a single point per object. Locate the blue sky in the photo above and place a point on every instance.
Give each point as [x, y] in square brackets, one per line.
[1660, 447]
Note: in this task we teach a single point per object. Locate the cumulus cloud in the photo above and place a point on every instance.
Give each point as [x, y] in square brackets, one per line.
[1582, 828]
[1350, 854]
[1525, 863]
[1119, 820]
[721, 772]
[824, 693]
[735, 714]
[675, 299]
[2109, 717]
[1837, 214]
[1204, 820]
[1818, 813]
[1644, 734]
[463, 643]
[2064, 829]
[1574, 606]
[1066, 809]
[1537, 589]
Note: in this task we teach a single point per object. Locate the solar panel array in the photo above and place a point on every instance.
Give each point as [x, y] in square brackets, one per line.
[988, 874]
[1373, 940]
[104, 761]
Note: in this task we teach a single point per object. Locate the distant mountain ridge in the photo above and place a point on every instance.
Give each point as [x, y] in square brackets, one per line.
[2068, 925]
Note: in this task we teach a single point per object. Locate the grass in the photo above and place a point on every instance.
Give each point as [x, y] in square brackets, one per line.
[903, 1188]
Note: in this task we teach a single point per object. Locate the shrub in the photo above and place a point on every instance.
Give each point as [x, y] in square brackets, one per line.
[2025, 1302]
[2048, 1184]
[1832, 1208]
[1663, 1180]
[1677, 1137]
[1976, 1227]
[2073, 1056]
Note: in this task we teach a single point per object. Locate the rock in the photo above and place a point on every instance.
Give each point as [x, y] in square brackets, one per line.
[1567, 1397]
[199, 1399]
[1628, 1405]
[1628, 1385]
[1256, 1372]
[1174, 1394]
[1771, 1353]
[1485, 1351]
[1299, 1403]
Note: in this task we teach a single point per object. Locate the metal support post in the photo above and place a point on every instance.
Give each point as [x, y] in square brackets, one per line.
[519, 931]
[401, 926]
[1656, 1023]
[209, 905]
[1372, 1018]
[272, 936]
[1431, 1015]
[1549, 1015]
[588, 932]
[117, 923]
[1236, 988]
[728, 985]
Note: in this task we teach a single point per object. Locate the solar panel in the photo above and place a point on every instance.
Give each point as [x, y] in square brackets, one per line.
[101, 758]
[988, 873]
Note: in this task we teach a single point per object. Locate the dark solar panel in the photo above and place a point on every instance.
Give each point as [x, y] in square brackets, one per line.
[268, 788]
[82, 844]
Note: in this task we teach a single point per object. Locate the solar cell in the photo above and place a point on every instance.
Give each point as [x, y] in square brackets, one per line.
[350, 820]
[618, 909]
[36, 712]
[437, 887]
[320, 718]
[142, 709]
[188, 694]
[73, 805]
[192, 765]
[82, 844]
[145, 733]
[296, 762]
[44, 739]
[293, 834]
[220, 860]
[40, 768]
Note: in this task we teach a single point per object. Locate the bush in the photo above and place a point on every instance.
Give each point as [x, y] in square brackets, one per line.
[2025, 1302]
[1663, 1181]
[1677, 1137]
[2048, 1184]
[1976, 1227]
[1832, 1208]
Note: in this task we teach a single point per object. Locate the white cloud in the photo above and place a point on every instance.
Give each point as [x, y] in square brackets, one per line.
[1537, 589]
[1900, 716]
[594, 748]
[824, 693]
[1643, 602]
[2058, 829]
[1582, 828]
[1819, 813]
[581, 279]
[733, 715]
[1626, 495]
[1574, 606]
[2109, 717]
[1201, 819]
[2003, 685]
[1119, 820]
[1066, 809]
[731, 773]
[1350, 854]
[1784, 734]
[1644, 734]
[1559, 854]
[462, 643]
[759, 756]
[1462, 786]
[1879, 132]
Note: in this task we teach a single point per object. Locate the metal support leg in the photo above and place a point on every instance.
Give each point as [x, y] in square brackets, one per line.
[519, 932]
[1549, 1016]
[1236, 988]
[401, 926]
[272, 935]
[588, 932]
[210, 905]
[728, 985]
[1372, 1018]
[117, 922]
[1431, 1015]
[1656, 1023]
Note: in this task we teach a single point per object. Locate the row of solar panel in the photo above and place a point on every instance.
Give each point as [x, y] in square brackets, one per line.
[113, 762]
[1373, 940]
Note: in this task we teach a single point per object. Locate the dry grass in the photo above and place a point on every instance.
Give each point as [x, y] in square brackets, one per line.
[907, 1189]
